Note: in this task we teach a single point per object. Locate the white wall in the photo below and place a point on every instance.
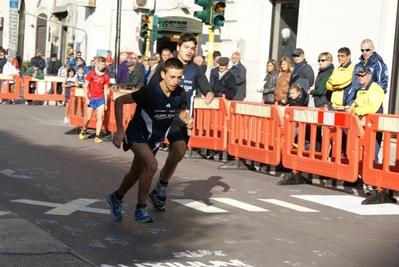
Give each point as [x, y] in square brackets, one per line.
[326, 26]
[254, 29]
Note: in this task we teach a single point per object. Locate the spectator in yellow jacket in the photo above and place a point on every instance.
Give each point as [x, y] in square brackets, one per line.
[370, 97]
[341, 78]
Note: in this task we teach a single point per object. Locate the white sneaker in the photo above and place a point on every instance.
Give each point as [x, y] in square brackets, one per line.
[66, 121]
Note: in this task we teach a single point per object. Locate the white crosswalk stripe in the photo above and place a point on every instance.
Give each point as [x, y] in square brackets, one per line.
[191, 203]
[288, 205]
[239, 204]
[200, 206]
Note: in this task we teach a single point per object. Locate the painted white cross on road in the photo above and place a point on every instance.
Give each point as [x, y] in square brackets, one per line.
[68, 208]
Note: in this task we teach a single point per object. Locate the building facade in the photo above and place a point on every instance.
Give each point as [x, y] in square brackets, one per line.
[255, 28]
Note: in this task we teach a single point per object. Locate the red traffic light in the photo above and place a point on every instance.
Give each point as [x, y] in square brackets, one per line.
[220, 7]
[144, 18]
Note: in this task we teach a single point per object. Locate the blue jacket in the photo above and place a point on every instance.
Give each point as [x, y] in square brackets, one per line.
[379, 72]
[121, 74]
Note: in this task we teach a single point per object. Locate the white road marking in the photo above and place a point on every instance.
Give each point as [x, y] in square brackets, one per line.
[66, 209]
[2, 213]
[9, 173]
[191, 203]
[239, 204]
[351, 204]
[288, 205]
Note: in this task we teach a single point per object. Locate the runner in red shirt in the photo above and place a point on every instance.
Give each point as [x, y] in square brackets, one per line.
[96, 94]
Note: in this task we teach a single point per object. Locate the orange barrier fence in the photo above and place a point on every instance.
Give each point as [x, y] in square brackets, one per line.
[316, 141]
[10, 86]
[254, 132]
[210, 127]
[327, 152]
[128, 110]
[77, 111]
[35, 89]
[384, 175]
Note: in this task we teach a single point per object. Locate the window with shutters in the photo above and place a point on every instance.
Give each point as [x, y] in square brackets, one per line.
[41, 33]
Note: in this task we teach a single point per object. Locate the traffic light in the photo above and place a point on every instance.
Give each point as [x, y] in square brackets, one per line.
[157, 27]
[205, 14]
[218, 8]
[144, 26]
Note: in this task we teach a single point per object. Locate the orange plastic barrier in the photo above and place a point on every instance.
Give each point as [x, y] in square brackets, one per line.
[210, 127]
[128, 110]
[383, 175]
[325, 158]
[76, 103]
[10, 86]
[42, 87]
[255, 132]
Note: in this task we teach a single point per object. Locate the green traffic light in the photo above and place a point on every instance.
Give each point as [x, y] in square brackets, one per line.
[202, 15]
[157, 27]
[203, 3]
[218, 20]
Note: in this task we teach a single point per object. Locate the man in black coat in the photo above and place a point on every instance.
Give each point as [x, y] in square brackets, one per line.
[226, 83]
[53, 65]
[37, 59]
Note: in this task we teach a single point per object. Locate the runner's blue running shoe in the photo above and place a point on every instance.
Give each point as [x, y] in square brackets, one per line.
[142, 216]
[115, 206]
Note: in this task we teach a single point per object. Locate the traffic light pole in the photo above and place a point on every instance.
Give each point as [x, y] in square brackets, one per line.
[148, 39]
[211, 40]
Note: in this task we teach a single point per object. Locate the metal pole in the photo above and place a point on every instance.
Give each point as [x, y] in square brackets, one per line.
[59, 23]
[211, 40]
[118, 36]
[148, 39]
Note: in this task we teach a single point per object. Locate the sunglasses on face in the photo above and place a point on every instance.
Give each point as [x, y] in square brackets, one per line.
[321, 60]
[365, 50]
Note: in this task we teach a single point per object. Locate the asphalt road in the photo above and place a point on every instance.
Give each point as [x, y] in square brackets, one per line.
[53, 210]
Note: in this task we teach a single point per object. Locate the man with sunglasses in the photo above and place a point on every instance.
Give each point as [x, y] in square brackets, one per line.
[374, 61]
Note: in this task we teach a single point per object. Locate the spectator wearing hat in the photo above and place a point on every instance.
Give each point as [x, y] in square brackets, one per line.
[370, 96]
[38, 60]
[226, 83]
[372, 60]
[369, 100]
[240, 74]
[302, 73]
[134, 79]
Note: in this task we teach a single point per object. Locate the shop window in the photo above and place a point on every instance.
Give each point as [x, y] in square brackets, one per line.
[285, 28]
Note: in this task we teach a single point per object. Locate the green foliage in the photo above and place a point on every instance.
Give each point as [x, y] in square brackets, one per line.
[24, 66]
